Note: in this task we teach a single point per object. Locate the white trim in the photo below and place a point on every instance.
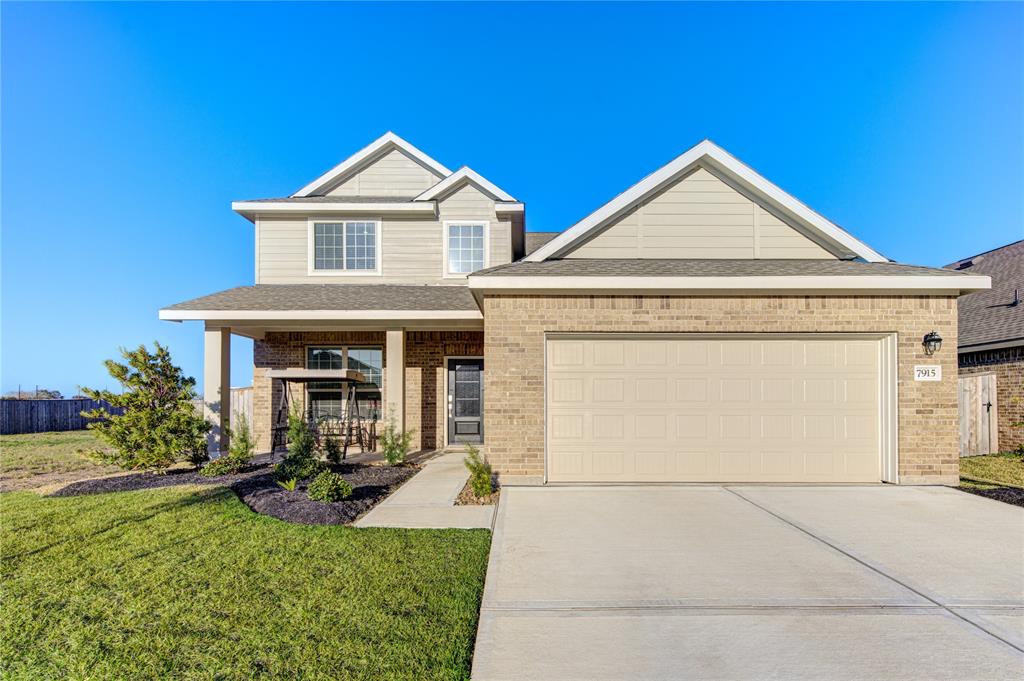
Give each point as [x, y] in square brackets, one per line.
[486, 224]
[710, 154]
[516, 207]
[261, 207]
[313, 315]
[311, 251]
[445, 393]
[465, 174]
[793, 283]
[385, 141]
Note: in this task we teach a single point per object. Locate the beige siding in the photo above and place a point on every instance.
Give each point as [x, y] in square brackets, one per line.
[412, 250]
[394, 174]
[469, 203]
[700, 216]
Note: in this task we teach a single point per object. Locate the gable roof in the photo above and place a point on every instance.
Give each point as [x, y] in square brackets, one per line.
[989, 318]
[709, 155]
[366, 155]
[465, 175]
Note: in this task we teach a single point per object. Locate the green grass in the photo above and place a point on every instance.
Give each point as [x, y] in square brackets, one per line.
[23, 456]
[981, 471]
[189, 583]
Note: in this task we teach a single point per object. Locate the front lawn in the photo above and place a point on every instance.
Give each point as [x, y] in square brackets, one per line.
[998, 476]
[187, 582]
[43, 458]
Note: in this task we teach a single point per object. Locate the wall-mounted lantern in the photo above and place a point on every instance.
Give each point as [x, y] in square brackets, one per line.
[932, 342]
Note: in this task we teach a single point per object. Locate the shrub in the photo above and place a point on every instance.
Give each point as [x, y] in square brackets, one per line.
[288, 484]
[332, 449]
[159, 425]
[395, 443]
[299, 467]
[329, 487]
[239, 452]
[225, 465]
[479, 472]
[242, 445]
[300, 437]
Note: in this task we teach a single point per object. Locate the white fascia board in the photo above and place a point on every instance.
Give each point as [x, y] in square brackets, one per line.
[258, 207]
[723, 162]
[369, 151]
[274, 315]
[465, 174]
[515, 207]
[796, 284]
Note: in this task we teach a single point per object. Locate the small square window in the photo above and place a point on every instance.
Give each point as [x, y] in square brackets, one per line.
[465, 243]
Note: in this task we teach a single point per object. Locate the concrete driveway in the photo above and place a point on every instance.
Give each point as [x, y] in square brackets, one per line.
[752, 582]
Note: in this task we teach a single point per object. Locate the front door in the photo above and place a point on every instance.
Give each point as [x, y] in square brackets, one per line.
[466, 400]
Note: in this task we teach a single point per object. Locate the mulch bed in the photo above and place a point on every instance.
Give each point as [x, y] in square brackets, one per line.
[258, 490]
[467, 498]
[1008, 495]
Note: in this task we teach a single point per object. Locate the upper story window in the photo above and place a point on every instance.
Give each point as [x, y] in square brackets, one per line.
[344, 247]
[465, 247]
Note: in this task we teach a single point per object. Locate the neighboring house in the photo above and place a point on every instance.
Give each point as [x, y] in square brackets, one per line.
[991, 344]
[701, 326]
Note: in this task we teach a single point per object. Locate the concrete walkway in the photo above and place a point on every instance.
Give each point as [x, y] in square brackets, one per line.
[428, 500]
[754, 582]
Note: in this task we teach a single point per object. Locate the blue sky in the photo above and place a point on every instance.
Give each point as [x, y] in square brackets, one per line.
[127, 129]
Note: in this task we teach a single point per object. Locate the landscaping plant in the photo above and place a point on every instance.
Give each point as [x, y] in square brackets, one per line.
[395, 443]
[160, 425]
[300, 462]
[332, 449]
[288, 484]
[239, 453]
[479, 472]
[329, 487]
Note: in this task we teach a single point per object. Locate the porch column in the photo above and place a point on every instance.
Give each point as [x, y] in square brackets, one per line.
[394, 376]
[217, 387]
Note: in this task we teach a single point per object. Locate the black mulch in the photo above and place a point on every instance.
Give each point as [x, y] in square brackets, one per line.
[258, 490]
[1008, 495]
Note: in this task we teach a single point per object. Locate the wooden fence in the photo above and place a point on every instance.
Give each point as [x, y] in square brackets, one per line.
[42, 416]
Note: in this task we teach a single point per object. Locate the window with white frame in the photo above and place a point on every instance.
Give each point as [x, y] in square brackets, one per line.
[464, 245]
[345, 245]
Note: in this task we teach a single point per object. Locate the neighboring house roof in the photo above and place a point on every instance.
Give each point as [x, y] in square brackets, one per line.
[718, 161]
[990, 318]
[720, 274]
[462, 176]
[367, 155]
[535, 240]
[303, 301]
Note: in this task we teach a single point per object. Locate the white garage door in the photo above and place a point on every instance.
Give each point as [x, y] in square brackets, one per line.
[664, 409]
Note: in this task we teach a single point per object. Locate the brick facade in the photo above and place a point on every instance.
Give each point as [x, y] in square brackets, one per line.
[424, 375]
[1008, 366]
[515, 327]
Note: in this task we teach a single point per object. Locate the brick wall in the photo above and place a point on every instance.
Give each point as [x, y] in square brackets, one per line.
[424, 375]
[514, 328]
[1008, 366]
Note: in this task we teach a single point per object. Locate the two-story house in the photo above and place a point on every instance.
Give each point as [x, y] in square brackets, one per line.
[703, 325]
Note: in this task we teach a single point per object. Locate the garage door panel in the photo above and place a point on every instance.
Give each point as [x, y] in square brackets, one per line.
[713, 410]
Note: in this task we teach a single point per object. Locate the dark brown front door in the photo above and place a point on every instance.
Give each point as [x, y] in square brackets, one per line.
[466, 400]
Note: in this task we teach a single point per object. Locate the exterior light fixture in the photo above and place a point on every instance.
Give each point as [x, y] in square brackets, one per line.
[932, 342]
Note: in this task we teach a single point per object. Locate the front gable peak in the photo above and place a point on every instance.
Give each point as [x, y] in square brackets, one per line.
[381, 148]
[709, 157]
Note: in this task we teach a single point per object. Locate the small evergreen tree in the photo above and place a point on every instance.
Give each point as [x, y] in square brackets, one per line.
[159, 425]
[395, 443]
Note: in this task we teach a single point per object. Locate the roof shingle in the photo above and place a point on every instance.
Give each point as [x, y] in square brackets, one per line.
[990, 316]
[334, 297]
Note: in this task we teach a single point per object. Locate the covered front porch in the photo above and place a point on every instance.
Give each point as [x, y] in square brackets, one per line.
[420, 349]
